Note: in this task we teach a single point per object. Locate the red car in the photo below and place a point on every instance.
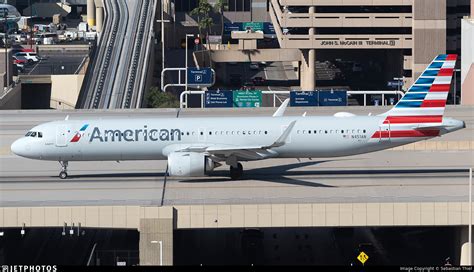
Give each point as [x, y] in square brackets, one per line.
[21, 60]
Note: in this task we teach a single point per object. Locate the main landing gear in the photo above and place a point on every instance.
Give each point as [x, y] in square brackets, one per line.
[63, 173]
[236, 172]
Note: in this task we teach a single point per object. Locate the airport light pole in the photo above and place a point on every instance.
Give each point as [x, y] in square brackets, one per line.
[470, 216]
[6, 51]
[186, 63]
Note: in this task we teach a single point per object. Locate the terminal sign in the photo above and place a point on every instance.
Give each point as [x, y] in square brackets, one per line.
[200, 77]
[219, 99]
[333, 98]
[255, 26]
[303, 98]
[247, 99]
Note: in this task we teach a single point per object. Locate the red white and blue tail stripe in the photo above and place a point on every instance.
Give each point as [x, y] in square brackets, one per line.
[426, 99]
[424, 103]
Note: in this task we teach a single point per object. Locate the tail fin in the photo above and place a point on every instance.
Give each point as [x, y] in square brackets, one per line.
[425, 101]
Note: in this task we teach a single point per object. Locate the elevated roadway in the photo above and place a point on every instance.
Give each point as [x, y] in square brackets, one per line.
[114, 76]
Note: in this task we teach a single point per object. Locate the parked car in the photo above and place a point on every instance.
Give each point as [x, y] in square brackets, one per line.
[258, 80]
[28, 55]
[21, 60]
[253, 66]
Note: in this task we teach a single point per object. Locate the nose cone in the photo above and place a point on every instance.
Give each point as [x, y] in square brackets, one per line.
[18, 147]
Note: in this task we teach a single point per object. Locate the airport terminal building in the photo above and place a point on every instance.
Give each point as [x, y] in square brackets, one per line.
[413, 30]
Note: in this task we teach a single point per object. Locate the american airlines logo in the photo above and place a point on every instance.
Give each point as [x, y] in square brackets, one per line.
[79, 134]
[135, 135]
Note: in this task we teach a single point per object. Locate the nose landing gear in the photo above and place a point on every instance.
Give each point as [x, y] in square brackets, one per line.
[63, 173]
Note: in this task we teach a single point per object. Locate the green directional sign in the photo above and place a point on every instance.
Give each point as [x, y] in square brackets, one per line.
[247, 99]
[255, 26]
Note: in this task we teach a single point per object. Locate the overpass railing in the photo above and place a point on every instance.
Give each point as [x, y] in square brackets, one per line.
[183, 98]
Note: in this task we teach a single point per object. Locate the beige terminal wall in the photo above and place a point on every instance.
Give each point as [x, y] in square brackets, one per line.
[467, 61]
[65, 90]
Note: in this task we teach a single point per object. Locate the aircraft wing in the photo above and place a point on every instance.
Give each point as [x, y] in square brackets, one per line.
[244, 152]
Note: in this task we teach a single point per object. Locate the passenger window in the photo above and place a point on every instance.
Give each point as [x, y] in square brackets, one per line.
[326, 131]
[315, 131]
[202, 133]
[187, 133]
[266, 132]
[364, 130]
[243, 132]
[298, 131]
[40, 135]
[309, 131]
[210, 133]
[33, 134]
[342, 131]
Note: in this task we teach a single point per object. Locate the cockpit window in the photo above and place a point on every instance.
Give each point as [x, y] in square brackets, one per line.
[33, 134]
[40, 135]
[28, 134]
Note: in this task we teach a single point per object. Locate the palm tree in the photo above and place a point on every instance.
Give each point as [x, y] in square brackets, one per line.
[220, 7]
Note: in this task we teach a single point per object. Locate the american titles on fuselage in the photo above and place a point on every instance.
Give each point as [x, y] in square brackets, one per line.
[135, 135]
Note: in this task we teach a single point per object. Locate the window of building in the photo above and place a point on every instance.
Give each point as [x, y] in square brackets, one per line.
[239, 5]
[364, 9]
[185, 5]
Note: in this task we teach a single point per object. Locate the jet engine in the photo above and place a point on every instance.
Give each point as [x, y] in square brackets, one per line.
[189, 164]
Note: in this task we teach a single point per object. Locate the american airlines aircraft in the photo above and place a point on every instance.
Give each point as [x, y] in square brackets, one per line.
[195, 146]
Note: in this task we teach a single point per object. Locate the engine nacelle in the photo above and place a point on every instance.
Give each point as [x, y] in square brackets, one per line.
[189, 164]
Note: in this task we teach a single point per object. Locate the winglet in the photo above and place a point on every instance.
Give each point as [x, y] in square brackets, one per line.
[282, 139]
[281, 110]
[67, 117]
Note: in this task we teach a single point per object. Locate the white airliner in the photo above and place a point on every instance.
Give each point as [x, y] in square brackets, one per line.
[195, 146]
[9, 13]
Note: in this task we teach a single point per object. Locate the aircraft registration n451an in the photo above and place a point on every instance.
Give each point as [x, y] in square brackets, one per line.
[195, 146]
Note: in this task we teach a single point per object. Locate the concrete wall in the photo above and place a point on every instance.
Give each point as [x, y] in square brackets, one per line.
[429, 32]
[238, 216]
[65, 90]
[467, 62]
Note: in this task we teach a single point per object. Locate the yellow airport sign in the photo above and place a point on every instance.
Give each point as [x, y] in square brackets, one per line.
[362, 257]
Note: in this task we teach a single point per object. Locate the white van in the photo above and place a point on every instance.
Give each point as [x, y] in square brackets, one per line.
[46, 38]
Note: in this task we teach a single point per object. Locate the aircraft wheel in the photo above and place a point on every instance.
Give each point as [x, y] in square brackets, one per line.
[63, 175]
[236, 172]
